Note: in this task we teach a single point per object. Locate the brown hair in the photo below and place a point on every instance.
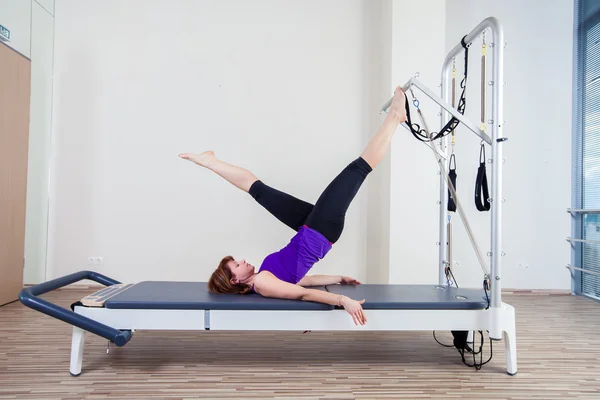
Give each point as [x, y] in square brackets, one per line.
[220, 280]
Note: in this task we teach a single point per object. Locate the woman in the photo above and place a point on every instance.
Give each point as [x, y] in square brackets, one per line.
[283, 273]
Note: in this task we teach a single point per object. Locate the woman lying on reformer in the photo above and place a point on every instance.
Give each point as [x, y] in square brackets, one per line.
[283, 273]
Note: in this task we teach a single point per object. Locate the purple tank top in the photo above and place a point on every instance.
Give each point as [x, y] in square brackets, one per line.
[291, 263]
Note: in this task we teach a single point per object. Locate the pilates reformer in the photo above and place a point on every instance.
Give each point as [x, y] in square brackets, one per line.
[119, 310]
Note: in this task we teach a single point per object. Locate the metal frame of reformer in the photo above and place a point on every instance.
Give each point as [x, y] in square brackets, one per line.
[118, 325]
[495, 142]
[297, 320]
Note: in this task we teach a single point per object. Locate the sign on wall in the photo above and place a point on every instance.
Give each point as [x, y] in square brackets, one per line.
[4, 34]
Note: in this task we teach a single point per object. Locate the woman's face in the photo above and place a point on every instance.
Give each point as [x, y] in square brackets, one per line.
[241, 270]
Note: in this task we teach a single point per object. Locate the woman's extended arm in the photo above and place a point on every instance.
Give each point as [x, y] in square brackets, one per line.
[268, 285]
[320, 280]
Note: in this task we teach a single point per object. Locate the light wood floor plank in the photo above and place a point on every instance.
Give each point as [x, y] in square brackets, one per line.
[558, 343]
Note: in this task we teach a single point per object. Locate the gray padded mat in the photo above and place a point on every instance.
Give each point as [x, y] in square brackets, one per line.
[196, 296]
[417, 297]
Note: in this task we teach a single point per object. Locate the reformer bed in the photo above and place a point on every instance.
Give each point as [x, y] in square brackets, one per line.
[118, 310]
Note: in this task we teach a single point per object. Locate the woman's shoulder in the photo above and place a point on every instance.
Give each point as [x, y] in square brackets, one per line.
[269, 285]
[261, 279]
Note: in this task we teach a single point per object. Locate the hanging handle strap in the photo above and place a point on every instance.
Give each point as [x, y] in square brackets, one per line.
[482, 196]
[452, 176]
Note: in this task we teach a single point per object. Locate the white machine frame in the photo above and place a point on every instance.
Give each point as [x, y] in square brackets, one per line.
[495, 141]
[321, 320]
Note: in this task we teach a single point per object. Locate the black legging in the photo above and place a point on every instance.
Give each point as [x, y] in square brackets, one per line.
[328, 214]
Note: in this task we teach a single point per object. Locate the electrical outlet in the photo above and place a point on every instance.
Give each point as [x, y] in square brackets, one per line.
[95, 260]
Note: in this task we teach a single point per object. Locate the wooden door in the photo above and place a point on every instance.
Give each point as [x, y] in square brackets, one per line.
[15, 90]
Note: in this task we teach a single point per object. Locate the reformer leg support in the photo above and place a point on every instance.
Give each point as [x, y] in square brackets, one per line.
[77, 345]
[510, 339]
[501, 320]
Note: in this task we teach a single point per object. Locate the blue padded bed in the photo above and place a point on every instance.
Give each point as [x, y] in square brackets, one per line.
[196, 296]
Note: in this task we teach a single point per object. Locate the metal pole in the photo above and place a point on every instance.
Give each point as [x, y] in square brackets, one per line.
[497, 160]
[587, 271]
[585, 241]
[444, 250]
[498, 119]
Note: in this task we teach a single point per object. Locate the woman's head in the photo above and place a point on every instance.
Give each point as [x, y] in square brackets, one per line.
[231, 277]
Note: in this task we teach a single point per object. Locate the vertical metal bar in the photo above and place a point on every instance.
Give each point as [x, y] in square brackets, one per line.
[483, 98]
[443, 243]
[450, 244]
[443, 220]
[577, 152]
[497, 161]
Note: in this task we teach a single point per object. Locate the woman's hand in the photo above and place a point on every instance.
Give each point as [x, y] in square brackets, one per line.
[346, 280]
[354, 308]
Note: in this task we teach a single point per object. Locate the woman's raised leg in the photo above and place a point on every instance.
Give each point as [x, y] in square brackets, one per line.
[237, 176]
[380, 143]
[286, 208]
[329, 213]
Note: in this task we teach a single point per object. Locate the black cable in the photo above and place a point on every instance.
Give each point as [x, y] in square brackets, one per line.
[420, 133]
[485, 289]
[474, 352]
[453, 278]
[445, 345]
[449, 273]
[481, 363]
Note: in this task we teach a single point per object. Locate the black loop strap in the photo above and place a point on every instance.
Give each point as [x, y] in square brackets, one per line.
[452, 175]
[482, 195]
[420, 133]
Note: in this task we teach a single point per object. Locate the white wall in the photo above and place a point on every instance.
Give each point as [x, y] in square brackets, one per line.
[418, 46]
[42, 51]
[15, 15]
[273, 86]
[300, 83]
[538, 154]
[377, 91]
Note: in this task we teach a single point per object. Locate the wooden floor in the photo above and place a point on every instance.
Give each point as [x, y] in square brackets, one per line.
[558, 342]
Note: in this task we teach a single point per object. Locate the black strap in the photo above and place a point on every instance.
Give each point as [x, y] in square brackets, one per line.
[452, 176]
[420, 133]
[482, 195]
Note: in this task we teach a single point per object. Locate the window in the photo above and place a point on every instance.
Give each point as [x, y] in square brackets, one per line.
[586, 147]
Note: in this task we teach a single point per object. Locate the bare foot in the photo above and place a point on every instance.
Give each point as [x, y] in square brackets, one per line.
[398, 107]
[202, 159]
